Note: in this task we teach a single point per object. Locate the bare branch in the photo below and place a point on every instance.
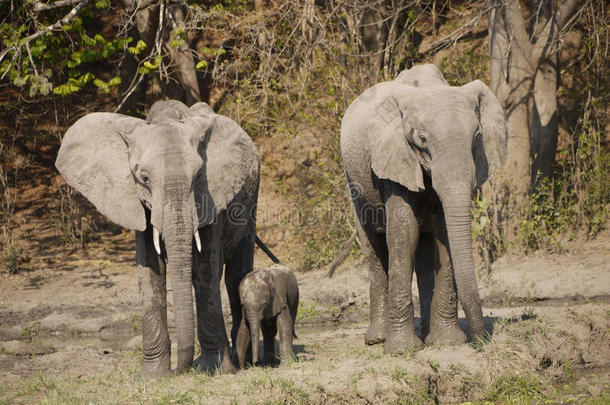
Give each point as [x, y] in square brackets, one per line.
[38, 7]
[27, 47]
[457, 34]
[26, 41]
[58, 24]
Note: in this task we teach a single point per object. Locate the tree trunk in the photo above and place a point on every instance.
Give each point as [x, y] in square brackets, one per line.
[182, 65]
[545, 120]
[182, 55]
[524, 76]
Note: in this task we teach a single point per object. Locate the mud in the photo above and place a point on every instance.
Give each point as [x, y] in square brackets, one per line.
[79, 318]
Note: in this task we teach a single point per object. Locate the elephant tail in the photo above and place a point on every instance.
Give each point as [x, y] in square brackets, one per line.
[343, 254]
[265, 249]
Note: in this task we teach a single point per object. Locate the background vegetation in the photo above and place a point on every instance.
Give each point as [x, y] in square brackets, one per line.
[285, 71]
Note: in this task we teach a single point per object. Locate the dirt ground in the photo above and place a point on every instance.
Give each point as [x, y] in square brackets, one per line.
[70, 333]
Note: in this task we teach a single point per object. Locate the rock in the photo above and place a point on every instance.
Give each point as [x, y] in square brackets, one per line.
[7, 333]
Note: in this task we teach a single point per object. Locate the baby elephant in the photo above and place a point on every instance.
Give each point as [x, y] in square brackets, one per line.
[269, 298]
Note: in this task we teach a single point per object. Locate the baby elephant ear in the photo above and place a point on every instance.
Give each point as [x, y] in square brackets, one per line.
[392, 157]
[279, 301]
[93, 158]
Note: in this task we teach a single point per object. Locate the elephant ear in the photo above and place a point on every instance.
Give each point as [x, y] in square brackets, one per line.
[231, 165]
[278, 293]
[392, 157]
[489, 148]
[93, 158]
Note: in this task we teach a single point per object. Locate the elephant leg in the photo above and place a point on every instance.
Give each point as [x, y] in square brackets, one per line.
[151, 280]
[285, 328]
[269, 329]
[424, 268]
[242, 343]
[376, 255]
[238, 265]
[207, 270]
[402, 232]
[444, 327]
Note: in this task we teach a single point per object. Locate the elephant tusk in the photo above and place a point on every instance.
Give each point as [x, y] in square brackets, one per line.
[198, 241]
[156, 241]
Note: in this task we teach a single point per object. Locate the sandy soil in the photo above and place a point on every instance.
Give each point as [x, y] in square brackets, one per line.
[70, 326]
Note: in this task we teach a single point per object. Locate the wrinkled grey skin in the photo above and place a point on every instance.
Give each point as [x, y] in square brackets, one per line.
[413, 151]
[270, 299]
[181, 175]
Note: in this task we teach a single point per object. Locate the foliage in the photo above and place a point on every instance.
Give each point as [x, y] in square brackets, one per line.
[574, 203]
[60, 62]
[465, 66]
[10, 255]
[290, 83]
[517, 388]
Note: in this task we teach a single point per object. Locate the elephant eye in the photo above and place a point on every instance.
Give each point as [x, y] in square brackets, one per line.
[144, 178]
[422, 138]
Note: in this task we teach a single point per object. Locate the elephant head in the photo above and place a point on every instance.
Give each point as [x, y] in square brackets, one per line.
[157, 173]
[454, 135]
[421, 76]
[259, 301]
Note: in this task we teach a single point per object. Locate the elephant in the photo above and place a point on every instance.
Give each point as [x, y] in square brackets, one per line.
[270, 299]
[186, 180]
[413, 151]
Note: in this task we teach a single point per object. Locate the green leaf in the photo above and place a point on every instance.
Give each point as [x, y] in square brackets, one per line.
[136, 50]
[201, 65]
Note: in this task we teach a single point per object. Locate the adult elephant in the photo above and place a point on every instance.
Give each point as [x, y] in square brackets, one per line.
[186, 180]
[413, 151]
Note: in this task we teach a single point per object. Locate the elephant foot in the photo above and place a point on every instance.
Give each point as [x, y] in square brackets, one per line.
[375, 333]
[156, 369]
[402, 342]
[227, 366]
[450, 334]
[212, 361]
[287, 357]
[270, 359]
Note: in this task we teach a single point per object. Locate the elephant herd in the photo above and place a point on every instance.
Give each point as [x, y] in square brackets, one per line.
[186, 181]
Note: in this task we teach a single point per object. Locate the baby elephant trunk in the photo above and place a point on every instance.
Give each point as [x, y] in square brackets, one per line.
[254, 323]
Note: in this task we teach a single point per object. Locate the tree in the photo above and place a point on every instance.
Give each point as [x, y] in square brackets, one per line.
[524, 73]
[48, 53]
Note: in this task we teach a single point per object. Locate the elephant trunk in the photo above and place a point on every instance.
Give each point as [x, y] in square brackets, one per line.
[254, 323]
[457, 218]
[178, 237]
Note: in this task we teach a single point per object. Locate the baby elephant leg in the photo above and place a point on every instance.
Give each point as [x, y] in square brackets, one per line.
[285, 327]
[269, 331]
